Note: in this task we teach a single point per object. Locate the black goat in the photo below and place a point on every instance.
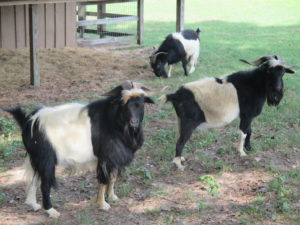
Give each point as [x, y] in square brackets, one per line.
[181, 46]
[104, 134]
[215, 102]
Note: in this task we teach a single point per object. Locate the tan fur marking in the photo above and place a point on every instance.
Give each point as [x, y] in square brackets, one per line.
[128, 94]
[101, 198]
[219, 102]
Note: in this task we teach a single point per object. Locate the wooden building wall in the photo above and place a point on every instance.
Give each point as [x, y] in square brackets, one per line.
[57, 25]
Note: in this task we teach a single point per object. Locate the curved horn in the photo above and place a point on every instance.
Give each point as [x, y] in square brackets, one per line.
[154, 56]
[259, 61]
[150, 92]
[147, 90]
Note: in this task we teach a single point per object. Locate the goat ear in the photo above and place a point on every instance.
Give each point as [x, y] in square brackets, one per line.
[149, 100]
[113, 92]
[288, 70]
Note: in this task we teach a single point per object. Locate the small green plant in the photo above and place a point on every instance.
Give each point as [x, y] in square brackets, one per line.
[281, 192]
[2, 197]
[201, 206]
[212, 184]
[146, 174]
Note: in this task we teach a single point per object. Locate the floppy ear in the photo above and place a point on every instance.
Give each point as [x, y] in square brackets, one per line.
[149, 100]
[113, 92]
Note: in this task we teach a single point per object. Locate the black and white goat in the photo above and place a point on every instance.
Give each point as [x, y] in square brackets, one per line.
[215, 102]
[104, 134]
[181, 46]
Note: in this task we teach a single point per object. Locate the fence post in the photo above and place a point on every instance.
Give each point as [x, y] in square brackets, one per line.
[101, 9]
[33, 39]
[81, 16]
[180, 15]
[140, 23]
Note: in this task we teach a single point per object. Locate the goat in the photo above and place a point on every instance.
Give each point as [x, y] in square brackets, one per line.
[214, 102]
[103, 135]
[181, 46]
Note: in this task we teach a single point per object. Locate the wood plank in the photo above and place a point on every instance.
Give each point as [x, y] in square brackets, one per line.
[96, 41]
[71, 24]
[60, 30]
[101, 9]
[81, 16]
[27, 25]
[8, 27]
[180, 15]
[27, 2]
[140, 23]
[20, 27]
[42, 25]
[107, 21]
[34, 33]
[50, 26]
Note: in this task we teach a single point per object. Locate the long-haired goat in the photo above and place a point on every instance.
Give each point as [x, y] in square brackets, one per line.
[104, 134]
[181, 46]
[215, 102]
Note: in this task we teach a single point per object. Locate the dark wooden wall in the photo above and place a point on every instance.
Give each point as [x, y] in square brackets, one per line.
[57, 25]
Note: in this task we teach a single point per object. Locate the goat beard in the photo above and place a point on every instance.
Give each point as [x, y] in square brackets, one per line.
[274, 97]
[134, 136]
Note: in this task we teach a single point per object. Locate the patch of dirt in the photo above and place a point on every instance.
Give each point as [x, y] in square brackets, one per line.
[68, 73]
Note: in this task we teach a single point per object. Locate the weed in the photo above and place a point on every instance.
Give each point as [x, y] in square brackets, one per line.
[85, 219]
[124, 189]
[212, 184]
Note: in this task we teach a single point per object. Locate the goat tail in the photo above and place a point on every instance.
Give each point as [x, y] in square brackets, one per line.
[198, 30]
[18, 114]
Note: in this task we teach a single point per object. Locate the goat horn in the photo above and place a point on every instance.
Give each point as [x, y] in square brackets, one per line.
[150, 92]
[154, 56]
[259, 61]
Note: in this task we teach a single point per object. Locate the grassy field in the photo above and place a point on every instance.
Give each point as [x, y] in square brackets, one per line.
[231, 30]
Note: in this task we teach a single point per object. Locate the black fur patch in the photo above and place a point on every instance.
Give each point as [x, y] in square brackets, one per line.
[190, 34]
[218, 80]
[186, 106]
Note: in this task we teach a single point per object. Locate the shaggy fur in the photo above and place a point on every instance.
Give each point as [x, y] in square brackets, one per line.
[104, 135]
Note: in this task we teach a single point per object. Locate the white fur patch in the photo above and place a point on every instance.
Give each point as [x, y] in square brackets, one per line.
[219, 102]
[274, 62]
[127, 94]
[53, 213]
[241, 144]
[191, 47]
[68, 128]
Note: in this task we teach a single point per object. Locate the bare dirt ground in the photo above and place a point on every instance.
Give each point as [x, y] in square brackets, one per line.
[172, 198]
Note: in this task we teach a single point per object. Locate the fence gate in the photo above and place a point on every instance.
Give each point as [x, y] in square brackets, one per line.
[110, 21]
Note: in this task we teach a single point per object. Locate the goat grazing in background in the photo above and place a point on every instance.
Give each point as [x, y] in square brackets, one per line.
[181, 46]
[104, 134]
[215, 102]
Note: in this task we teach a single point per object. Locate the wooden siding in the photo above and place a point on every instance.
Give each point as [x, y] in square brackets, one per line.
[56, 24]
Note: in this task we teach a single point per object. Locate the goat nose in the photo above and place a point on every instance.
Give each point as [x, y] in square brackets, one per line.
[134, 121]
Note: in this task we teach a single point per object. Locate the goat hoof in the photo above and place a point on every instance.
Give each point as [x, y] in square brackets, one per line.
[243, 154]
[34, 206]
[182, 159]
[248, 147]
[113, 198]
[53, 213]
[104, 206]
